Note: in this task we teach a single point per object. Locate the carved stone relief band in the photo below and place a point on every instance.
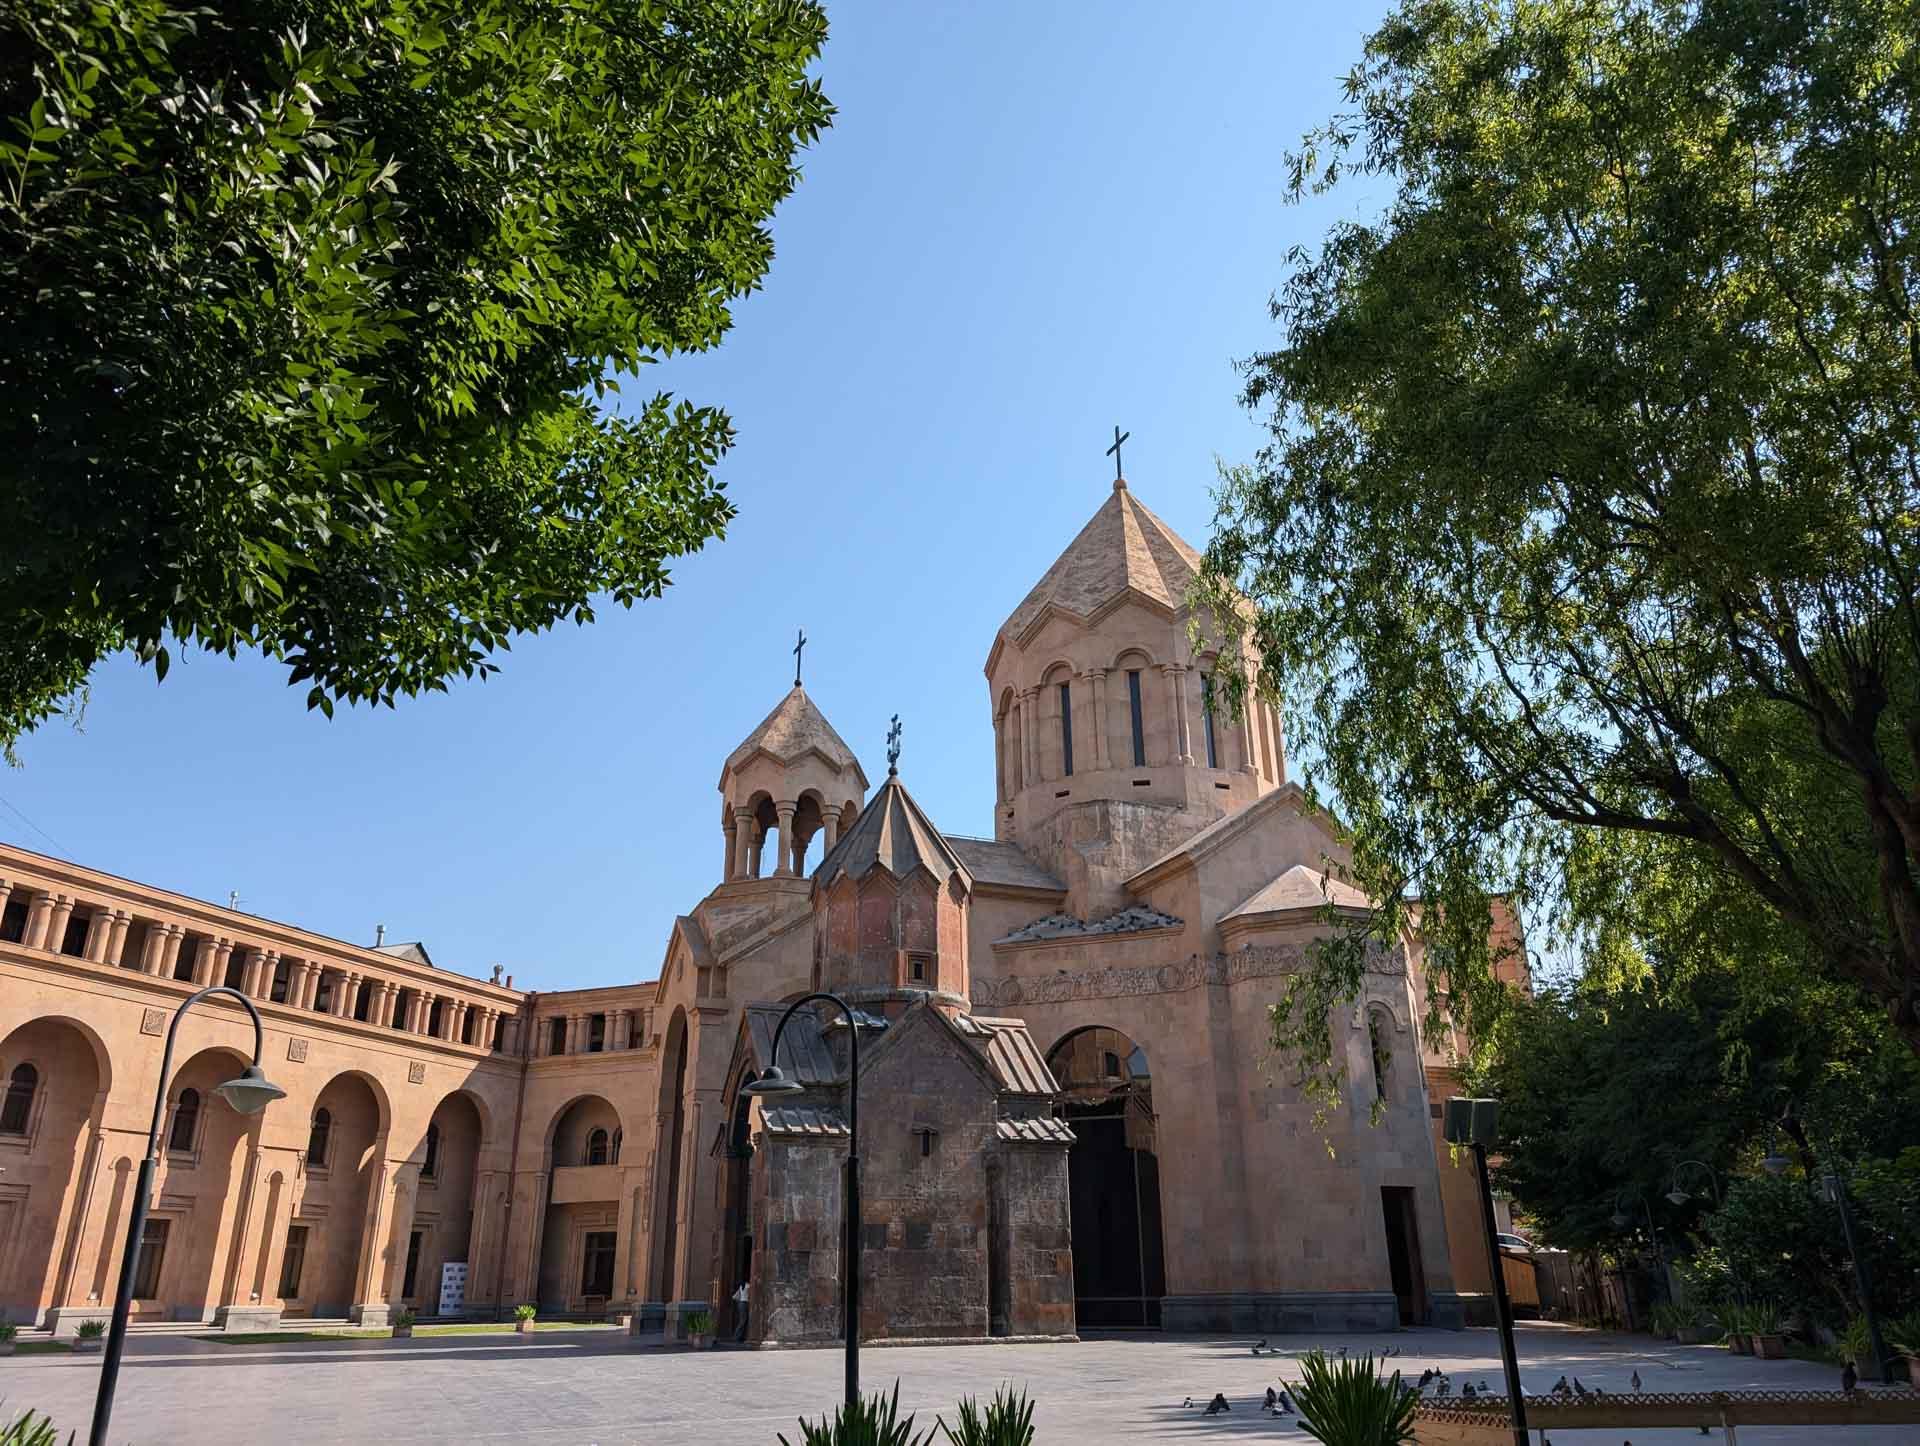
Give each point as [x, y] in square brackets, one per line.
[1112, 982]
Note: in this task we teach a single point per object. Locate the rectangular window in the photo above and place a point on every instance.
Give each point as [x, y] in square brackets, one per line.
[557, 1035]
[402, 1002]
[74, 942]
[596, 1263]
[236, 969]
[282, 978]
[323, 995]
[1133, 707]
[1066, 727]
[293, 1262]
[413, 1265]
[363, 1002]
[1206, 717]
[183, 962]
[13, 922]
[917, 966]
[636, 1031]
[596, 1033]
[436, 1017]
[146, 1268]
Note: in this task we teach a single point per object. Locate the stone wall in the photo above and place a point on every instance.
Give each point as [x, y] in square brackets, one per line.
[795, 1294]
[1033, 1234]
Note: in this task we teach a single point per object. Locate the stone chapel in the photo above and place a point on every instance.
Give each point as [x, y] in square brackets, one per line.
[1069, 1120]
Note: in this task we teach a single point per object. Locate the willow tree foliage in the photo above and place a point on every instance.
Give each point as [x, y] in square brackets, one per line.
[1585, 540]
[308, 309]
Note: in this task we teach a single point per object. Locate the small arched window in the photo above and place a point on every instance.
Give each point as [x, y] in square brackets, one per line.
[431, 1167]
[18, 1109]
[186, 1118]
[1382, 1058]
[596, 1147]
[318, 1140]
[615, 1158]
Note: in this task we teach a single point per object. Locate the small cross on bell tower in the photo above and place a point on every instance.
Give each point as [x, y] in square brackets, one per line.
[893, 747]
[1119, 477]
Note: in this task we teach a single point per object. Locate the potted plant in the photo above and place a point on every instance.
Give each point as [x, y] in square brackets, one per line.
[1349, 1403]
[8, 1330]
[872, 1420]
[1733, 1325]
[700, 1329]
[403, 1326]
[1763, 1328]
[91, 1335]
[523, 1319]
[1695, 1328]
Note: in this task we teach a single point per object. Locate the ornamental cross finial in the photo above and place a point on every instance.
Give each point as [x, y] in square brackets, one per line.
[800, 643]
[893, 747]
[1114, 452]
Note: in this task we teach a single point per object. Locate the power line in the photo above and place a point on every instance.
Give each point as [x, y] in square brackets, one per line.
[14, 809]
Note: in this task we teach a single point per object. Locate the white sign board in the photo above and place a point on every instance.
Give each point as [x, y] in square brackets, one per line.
[453, 1288]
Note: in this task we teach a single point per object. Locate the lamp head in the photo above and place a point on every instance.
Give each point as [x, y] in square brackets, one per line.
[773, 1082]
[1678, 1196]
[251, 1093]
[1619, 1219]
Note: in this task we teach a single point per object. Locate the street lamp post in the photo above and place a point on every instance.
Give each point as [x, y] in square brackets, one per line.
[1474, 1123]
[773, 1082]
[1621, 1220]
[1679, 1195]
[248, 1094]
[1881, 1366]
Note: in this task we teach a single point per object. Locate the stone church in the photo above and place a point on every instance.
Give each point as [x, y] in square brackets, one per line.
[1069, 1118]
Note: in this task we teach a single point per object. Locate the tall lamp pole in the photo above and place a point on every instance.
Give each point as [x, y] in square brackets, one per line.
[249, 1094]
[1474, 1123]
[1621, 1220]
[773, 1082]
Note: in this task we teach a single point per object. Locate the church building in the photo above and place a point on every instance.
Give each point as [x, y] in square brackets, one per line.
[1069, 1117]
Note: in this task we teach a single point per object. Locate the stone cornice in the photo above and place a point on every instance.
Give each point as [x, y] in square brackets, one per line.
[1114, 981]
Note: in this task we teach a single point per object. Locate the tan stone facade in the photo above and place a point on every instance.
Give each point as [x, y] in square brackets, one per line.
[1152, 876]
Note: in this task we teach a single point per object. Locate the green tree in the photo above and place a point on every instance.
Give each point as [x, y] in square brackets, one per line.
[307, 309]
[1586, 534]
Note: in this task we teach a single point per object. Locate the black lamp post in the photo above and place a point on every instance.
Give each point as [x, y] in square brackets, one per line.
[773, 1082]
[1679, 1195]
[1474, 1123]
[1621, 1220]
[1880, 1368]
[248, 1094]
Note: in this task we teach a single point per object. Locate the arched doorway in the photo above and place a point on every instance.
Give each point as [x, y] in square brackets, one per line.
[188, 1248]
[344, 1138]
[441, 1233]
[668, 1152]
[53, 1085]
[579, 1240]
[1119, 1258]
[736, 1212]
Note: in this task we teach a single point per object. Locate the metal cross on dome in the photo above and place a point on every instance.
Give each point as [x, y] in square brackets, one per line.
[799, 643]
[893, 747]
[1114, 452]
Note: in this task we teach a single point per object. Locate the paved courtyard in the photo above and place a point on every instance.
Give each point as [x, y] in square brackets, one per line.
[595, 1389]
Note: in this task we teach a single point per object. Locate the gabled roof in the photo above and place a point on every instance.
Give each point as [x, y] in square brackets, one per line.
[413, 953]
[1299, 888]
[1011, 1053]
[892, 833]
[1287, 796]
[1003, 864]
[804, 1056]
[792, 730]
[1124, 549]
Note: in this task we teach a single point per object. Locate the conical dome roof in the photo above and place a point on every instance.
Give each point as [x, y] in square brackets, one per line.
[793, 729]
[1124, 549]
[891, 833]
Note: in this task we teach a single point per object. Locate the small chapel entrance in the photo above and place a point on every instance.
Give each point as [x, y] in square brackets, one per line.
[1113, 1174]
[1403, 1254]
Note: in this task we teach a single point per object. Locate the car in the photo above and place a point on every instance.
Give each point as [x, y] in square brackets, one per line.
[1513, 1242]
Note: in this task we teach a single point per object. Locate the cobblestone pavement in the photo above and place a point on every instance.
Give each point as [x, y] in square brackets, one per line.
[596, 1389]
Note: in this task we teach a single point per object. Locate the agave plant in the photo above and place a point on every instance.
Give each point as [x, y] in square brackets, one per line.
[1007, 1421]
[1763, 1320]
[1903, 1334]
[31, 1430]
[873, 1421]
[1348, 1403]
[1854, 1343]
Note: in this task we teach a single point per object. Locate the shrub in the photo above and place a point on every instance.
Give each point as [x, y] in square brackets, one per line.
[31, 1430]
[1903, 1334]
[524, 1312]
[92, 1330]
[1347, 1403]
[8, 1330]
[1854, 1342]
[700, 1323]
[1007, 1421]
[404, 1319]
[874, 1421]
[1763, 1319]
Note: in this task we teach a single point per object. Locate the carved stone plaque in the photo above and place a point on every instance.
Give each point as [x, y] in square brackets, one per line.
[297, 1050]
[153, 1021]
[416, 1072]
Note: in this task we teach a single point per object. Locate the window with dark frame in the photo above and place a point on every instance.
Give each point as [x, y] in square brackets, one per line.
[186, 1117]
[1206, 718]
[236, 974]
[318, 1137]
[153, 1252]
[1066, 727]
[183, 962]
[13, 922]
[282, 981]
[596, 1033]
[74, 941]
[596, 1263]
[557, 1035]
[293, 1262]
[17, 1113]
[1382, 1061]
[1133, 709]
[436, 1017]
[430, 1167]
[596, 1147]
[412, 1277]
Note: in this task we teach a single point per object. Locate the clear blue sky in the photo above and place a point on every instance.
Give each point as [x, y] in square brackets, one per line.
[1028, 223]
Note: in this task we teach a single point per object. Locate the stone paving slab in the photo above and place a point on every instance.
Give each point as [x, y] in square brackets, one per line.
[598, 1390]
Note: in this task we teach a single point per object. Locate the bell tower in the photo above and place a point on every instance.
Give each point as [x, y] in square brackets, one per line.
[791, 778]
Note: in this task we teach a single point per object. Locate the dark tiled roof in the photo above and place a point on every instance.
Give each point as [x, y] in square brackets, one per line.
[804, 1055]
[802, 1120]
[1035, 1132]
[1011, 1053]
[996, 861]
[892, 833]
[1131, 920]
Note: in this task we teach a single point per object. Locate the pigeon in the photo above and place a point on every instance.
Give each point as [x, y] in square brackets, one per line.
[1849, 1378]
[1217, 1405]
[1466, 1391]
[1560, 1387]
[1261, 1345]
[1273, 1398]
[1286, 1406]
[1446, 1387]
[1187, 1404]
[1343, 1353]
[1578, 1389]
[1426, 1377]
[1483, 1387]
[1636, 1387]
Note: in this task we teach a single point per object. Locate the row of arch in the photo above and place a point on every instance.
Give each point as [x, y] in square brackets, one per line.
[812, 825]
